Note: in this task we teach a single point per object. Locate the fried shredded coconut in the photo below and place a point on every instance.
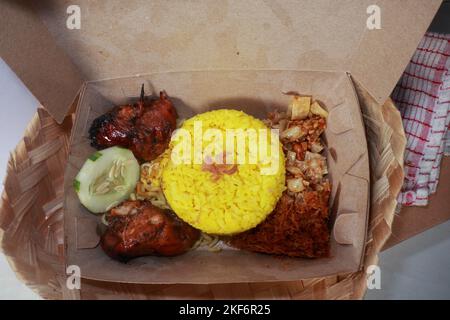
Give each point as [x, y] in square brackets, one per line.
[298, 226]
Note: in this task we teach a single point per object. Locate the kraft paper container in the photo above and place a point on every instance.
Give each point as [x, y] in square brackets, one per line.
[255, 92]
[313, 47]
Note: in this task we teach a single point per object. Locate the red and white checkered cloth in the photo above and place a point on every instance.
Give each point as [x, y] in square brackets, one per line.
[423, 97]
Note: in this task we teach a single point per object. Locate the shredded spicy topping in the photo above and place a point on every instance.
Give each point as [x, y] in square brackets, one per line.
[298, 226]
[219, 167]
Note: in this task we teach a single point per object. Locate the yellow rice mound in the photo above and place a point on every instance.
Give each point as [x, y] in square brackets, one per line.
[234, 202]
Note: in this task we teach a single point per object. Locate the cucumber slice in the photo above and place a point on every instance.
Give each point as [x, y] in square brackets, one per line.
[107, 178]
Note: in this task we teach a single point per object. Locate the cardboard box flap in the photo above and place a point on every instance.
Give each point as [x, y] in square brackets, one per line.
[383, 54]
[117, 39]
[139, 37]
[30, 50]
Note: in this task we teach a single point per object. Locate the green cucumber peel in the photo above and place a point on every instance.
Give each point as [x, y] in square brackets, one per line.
[95, 156]
[76, 185]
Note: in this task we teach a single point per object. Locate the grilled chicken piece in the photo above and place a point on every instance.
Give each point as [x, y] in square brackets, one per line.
[144, 127]
[138, 228]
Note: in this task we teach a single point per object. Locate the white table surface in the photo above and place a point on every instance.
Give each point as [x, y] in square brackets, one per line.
[417, 268]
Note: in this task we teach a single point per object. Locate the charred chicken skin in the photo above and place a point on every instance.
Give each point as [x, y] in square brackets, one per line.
[144, 127]
[138, 228]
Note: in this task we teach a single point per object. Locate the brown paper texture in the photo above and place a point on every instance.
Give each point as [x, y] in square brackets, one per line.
[118, 39]
[255, 92]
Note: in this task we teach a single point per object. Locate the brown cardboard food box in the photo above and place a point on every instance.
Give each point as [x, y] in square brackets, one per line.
[255, 92]
[240, 54]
